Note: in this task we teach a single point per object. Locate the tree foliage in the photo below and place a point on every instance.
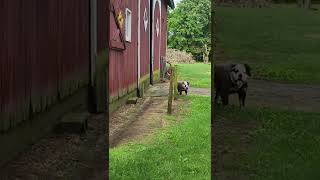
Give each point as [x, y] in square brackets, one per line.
[189, 27]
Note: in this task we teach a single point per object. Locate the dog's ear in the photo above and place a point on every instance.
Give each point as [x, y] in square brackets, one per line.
[233, 67]
[248, 69]
[188, 83]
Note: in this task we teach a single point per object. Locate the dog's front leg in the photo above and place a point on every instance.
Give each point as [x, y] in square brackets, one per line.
[240, 99]
[225, 99]
[242, 96]
[216, 98]
[244, 99]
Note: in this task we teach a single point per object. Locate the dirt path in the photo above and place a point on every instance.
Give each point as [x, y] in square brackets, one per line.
[264, 93]
[231, 138]
[296, 97]
[67, 156]
[132, 122]
[63, 156]
[200, 91]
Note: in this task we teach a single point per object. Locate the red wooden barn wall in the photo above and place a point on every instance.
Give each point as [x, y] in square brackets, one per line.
[144, 39]
[164, 15]
[163, 32]
[103, 24]
[123, 63]
[156, 39]
[44, 55]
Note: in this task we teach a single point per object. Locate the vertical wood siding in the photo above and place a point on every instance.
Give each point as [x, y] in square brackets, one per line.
[144, 40]
[102, 15]
[44, 55]
[123, 64]
[164, 15]
[156, 39]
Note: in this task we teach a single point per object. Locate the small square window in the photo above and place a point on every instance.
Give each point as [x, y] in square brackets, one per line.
[128, 25]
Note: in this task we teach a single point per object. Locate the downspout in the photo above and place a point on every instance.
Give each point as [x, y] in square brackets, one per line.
[151, 41]
[139, 46]
[93, 55]
[93, 39]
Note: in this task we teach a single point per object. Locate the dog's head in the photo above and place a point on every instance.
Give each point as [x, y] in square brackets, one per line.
[186, 84]
[239, 74]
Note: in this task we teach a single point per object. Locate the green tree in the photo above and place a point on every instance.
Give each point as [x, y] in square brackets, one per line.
[189, 27]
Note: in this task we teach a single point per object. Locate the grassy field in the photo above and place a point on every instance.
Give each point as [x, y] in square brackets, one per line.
[280, 43]
[199, 74]
[284, 146]
[180, 151]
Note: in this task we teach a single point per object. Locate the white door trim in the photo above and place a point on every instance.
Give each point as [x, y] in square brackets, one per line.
[153, 31]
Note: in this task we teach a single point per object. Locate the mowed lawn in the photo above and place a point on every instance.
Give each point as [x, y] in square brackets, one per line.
[284, 145]
[280, 43]
[198, 74]
[180, 151]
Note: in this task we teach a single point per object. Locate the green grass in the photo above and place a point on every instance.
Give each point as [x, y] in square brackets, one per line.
[180, 151]
[280, 43]
[284, 146]
[198, 74]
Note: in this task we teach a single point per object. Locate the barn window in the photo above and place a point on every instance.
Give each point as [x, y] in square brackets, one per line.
[128, 24]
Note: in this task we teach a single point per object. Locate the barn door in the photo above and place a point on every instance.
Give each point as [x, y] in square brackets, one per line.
[156, 38]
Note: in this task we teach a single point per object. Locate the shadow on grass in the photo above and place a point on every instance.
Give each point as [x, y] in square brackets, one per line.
[265, 143]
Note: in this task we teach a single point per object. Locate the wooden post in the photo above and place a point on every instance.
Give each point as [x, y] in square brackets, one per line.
[170, 97]
[175, 87]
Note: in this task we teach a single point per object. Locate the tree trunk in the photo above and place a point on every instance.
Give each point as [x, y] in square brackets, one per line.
[304, 4]
[300, 3]
[205, 60]
[205, 55]
[307, 4]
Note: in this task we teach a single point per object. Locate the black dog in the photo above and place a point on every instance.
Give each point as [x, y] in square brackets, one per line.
[229, 79]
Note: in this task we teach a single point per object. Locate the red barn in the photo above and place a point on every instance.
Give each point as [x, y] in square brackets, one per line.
[138, 32]
[54, 58]
[47, 60]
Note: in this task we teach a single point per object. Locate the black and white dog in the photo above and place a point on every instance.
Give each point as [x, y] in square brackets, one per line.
[183, 86]
[231, 78]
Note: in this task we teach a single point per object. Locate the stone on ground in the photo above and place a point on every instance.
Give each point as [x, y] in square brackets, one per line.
[73, 123]
[132, 100]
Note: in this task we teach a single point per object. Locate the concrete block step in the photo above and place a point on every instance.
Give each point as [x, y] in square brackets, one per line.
[132, 100]
[75, 123]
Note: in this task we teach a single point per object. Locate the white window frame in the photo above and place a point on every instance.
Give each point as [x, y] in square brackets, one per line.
[128, 25]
